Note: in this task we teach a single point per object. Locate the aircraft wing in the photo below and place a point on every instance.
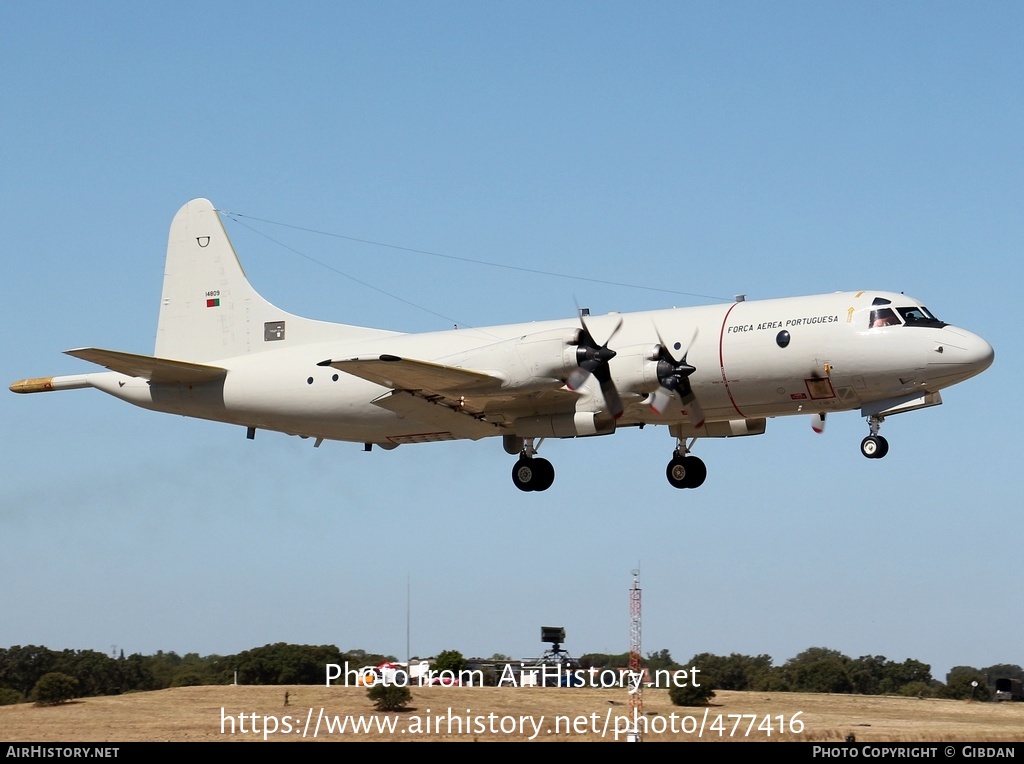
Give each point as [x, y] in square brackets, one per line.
[467, 401]
[156, 370]
[428, 392]
[408, 374]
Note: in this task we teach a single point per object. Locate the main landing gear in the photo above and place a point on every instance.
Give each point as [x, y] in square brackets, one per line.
[874, 446]
[531, 473]
[685, 471]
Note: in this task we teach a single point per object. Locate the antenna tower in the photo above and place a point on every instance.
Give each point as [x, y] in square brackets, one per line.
[636, 699]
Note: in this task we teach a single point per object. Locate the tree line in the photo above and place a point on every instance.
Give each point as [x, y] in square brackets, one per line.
[96, 673]
[816, 669]
[819, 669]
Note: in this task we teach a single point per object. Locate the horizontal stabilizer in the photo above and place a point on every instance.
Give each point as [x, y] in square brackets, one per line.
[407, 374]
[160, 371]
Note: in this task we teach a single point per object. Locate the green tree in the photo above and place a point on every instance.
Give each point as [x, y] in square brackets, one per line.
[917, 689]
[449, 660]
[389, 697]
[54, 688]
[137, 673]
[282, 663]
[690, 695]
[910, 672]
[660, 659]
[867, 674]
[22, 667]
[818, 669]
[97, 673]
[735, 672]
[960, 684]
[604, 660]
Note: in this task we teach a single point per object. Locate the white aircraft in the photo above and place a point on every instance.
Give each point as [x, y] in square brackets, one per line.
[224, 353]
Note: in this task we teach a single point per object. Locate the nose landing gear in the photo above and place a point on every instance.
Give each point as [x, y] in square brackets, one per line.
[874, 446]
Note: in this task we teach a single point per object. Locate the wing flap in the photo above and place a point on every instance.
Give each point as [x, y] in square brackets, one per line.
[436, 413]
[157, 370]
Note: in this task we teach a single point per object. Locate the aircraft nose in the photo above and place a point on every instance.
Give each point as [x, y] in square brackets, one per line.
[971, 352]
[980, 354]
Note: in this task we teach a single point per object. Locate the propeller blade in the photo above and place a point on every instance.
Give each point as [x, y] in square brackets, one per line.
[694, 412]
[818, 422]
[577, 379]
[661, 400]
[667, 353]
[590, 336]
[611, 394]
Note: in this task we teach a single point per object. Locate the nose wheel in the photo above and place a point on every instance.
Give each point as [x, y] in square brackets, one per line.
[874, 446]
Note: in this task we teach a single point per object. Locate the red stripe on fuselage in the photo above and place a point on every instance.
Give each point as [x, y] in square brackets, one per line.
[721, 360]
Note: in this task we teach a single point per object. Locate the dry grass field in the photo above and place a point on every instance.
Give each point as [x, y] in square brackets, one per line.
[196, 713]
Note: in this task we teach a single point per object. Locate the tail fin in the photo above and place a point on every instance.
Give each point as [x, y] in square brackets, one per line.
[209, 311]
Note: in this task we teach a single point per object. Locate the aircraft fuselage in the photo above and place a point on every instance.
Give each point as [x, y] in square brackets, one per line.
[753, 359]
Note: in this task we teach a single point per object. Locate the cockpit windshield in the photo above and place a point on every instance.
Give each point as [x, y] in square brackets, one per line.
[915, 315]
[919, 317]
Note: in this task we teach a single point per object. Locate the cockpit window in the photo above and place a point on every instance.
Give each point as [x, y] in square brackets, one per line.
[916, 316]
[883, 317]
[913, 315]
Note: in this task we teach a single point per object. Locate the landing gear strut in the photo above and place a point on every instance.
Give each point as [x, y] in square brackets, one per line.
[874, 446]
[531, 473]
[685, 471]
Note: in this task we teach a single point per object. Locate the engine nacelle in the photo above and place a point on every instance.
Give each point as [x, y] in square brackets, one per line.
[635, 368]
[578, 424]
[533, 360]
[733, 428]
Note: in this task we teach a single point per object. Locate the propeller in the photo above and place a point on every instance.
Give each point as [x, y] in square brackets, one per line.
[674, 377]
[593, 359]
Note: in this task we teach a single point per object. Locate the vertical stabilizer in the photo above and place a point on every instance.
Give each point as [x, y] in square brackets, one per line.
[209, 311]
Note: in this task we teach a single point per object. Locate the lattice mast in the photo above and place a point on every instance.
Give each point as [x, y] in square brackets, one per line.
[636, 699]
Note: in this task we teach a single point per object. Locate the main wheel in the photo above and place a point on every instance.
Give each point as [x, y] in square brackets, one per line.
[676, 472]
[874, 446]
[686, 472]
[696, 470]
[533, 474]
[543, 474]
[523, 474]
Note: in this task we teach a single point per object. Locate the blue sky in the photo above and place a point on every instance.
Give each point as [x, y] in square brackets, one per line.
[710, 149]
